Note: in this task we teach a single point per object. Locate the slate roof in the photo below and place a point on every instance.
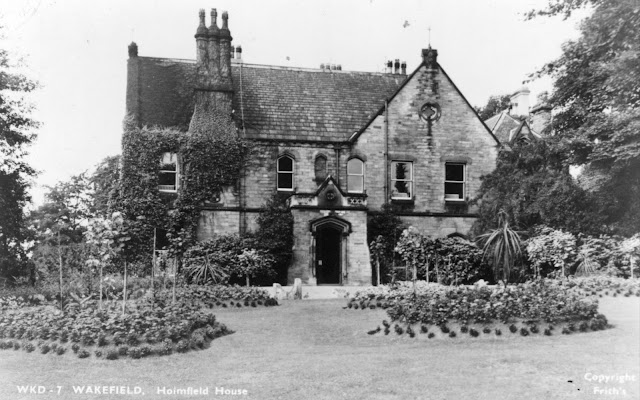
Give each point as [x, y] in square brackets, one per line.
[507, 128]
[274, 102]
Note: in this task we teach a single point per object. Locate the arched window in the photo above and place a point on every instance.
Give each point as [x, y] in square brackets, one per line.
[320, 168]
[285, 170]
[355, 175]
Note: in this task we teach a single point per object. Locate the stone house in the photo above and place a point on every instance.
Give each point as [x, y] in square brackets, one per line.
[340, 144]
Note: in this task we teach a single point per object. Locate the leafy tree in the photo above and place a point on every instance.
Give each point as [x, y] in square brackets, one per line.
[533, 187]
[105, 181]
[383, 232]
[597, 101]
[494, 105]
[275, 234]
[16, 133]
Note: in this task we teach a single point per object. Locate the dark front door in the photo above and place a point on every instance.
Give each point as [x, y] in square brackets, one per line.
[328, 255]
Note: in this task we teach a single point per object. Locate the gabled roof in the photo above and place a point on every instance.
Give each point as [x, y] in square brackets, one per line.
[275, 103]
[507, 128]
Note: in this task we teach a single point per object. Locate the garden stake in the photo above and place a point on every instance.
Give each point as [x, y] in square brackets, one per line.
[153, 262]
[60, 263]
[124, 294]
[175, 270]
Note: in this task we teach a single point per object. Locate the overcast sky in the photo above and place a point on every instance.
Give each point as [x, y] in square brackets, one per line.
[77, 50]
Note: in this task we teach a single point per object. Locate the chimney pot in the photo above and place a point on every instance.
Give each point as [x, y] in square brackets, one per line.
[202, 29]
[403, 68]
[133, 50]
[322, 66]
[239, 52]
[339, 67]
[389, 68]
[396, 66]
[333, 67]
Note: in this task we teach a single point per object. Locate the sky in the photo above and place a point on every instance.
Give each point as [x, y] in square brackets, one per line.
[77, 51]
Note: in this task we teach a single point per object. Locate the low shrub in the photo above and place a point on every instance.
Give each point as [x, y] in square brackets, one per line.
[112, 355]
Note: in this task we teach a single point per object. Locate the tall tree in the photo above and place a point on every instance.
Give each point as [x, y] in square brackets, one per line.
[494, 105]
[597, 101]
[16, 133]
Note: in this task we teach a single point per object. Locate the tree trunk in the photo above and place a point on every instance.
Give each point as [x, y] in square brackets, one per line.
[378, 269]
[247, 280]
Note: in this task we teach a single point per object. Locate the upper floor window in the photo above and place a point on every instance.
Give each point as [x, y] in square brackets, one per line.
[168, 174]
[285, 173]
[320, 168]
[402, 180]
[355, 175]
[454, 182]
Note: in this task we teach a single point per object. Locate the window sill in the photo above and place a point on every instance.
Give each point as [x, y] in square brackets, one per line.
[401, 200]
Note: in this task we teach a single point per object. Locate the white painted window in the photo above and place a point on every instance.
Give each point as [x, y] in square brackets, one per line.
[169, 173]
[402, 180]
[355, 176]
[285, 170]
[454, 182]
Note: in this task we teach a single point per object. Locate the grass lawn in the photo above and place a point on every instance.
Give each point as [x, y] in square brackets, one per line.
[313, 349]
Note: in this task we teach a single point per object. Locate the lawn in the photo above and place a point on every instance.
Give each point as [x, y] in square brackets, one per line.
[314, 349]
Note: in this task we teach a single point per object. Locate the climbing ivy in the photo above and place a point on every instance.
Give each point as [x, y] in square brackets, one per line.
[209, 161]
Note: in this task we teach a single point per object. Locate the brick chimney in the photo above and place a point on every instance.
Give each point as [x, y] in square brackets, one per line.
[213, 87]
[396, 66]
[430, 58]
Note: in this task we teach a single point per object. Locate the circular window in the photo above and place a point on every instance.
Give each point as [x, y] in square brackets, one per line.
[430, 112]
[330, 195]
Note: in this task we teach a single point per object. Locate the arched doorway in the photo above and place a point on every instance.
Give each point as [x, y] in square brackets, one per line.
[329, 250]
[328, 255]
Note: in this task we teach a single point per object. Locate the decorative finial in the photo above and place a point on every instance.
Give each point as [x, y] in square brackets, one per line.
[429, 37]
[225, 19]
[202, 28]
[213, 28]
[133, 50]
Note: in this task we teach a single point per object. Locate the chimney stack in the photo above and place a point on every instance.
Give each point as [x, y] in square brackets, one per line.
[403, 68]
[430, 57]
[239, 52]
[339, 67]
[520, 102]
[225, 49]
[396, 66]
[214, 48]
[133, 50]
[389, 68]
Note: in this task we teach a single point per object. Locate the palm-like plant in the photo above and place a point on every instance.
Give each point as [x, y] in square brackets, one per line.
[502, 247]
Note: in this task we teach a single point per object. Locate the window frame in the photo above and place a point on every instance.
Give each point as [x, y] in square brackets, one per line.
[463, 182]
[176, 174]
[292, 172]
[349, 190]
[393, 180]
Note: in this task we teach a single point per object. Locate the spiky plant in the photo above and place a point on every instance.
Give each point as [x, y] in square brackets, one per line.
[503, 248]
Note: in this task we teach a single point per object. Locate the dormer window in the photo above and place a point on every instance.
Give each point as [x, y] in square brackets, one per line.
[454, 182]
[168, 174]
[285, 170]
[355, 176]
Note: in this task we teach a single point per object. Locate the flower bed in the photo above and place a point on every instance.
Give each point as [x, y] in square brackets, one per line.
[222, 296]
[603, 285]
[149, 328]
[523, 308]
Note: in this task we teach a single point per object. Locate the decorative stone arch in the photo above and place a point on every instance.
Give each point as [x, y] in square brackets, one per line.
[328, 253]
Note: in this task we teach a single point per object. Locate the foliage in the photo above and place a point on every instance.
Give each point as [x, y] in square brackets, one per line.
[445, 260]
[91, 328]
[597, 101]
[224, 256]
[550, 250]
[494, 105]
[208, 161]
[275, 235]
[503, 247]
[529, 182]
[105, 181]
[16, 133]
[535, 301]
[383, 231]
